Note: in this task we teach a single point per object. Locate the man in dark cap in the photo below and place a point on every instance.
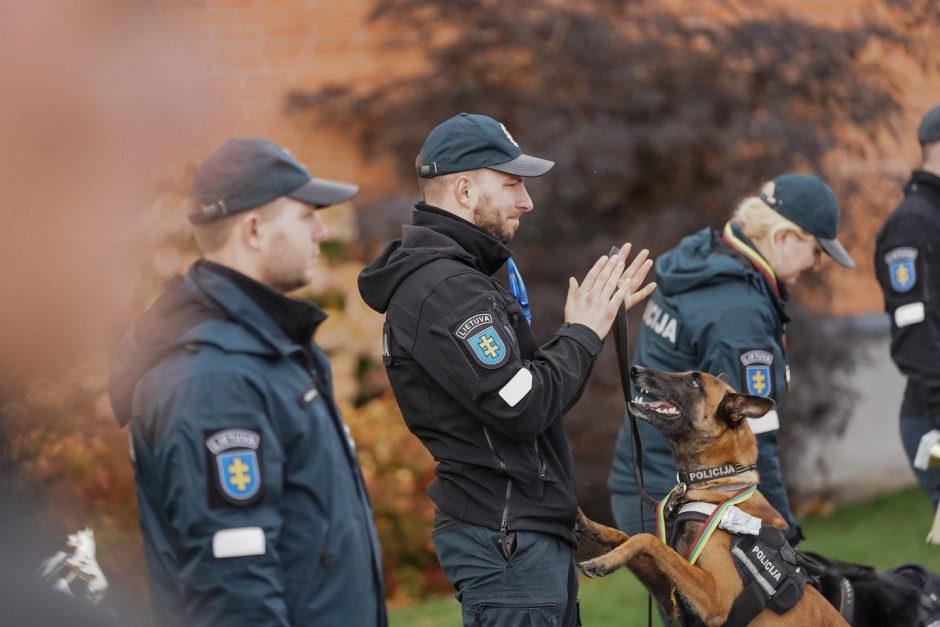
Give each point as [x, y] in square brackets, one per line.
[474, 385]
[252, 504]
[907, 264]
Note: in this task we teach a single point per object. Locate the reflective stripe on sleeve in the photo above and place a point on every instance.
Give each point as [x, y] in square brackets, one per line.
[238, 542]
[905, 315]
[768, 422]
[517, 388]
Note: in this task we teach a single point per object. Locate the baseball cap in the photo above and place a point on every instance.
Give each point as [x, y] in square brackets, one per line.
[245, 173]
[811, 204]
[929, 129]
[470, 141]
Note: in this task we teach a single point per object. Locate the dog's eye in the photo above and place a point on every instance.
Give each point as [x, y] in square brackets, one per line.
[694, 382]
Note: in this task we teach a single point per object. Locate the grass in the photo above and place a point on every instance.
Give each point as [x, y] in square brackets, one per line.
[884, 532]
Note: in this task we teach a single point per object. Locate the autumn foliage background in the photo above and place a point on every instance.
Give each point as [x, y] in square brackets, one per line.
[660, 115]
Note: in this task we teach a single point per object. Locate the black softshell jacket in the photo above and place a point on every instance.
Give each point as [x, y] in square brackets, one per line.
[907, 264]
[472, 383]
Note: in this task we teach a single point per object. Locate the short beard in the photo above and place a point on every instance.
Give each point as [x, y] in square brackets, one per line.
[280, 272]
[489, 222]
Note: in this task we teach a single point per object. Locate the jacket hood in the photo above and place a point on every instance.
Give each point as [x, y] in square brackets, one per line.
[204, 307]
[435, 234]
[692, 265]
[160, 330]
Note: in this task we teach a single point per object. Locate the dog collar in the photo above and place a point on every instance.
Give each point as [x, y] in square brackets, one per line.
[690, 477]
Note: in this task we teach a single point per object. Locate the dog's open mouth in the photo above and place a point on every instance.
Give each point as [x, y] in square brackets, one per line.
[659, 406]
[650, 401]
[653, 404]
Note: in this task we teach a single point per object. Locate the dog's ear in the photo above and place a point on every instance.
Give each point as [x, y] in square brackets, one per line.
[734, 407]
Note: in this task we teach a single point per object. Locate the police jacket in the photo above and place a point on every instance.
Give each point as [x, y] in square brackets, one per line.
[714, 311]
[472, 383]
[907, 264]
[252, 505]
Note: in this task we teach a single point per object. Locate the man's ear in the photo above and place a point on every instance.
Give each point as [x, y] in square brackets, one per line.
[734, 407]
[248, 230]
[463, 191]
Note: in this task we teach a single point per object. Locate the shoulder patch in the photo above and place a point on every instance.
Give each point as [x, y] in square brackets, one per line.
[233, 458]
[757, 371]
[478, 333]
[902, 268]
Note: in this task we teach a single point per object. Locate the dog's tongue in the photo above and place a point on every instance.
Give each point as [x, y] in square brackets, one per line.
[660, 405]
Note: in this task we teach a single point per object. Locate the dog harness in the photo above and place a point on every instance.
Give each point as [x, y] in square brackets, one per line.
[765, 561]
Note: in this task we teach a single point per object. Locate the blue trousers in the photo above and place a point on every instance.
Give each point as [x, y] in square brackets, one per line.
[912, 430]
[537, 586]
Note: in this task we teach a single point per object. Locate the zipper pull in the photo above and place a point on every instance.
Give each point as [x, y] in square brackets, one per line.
[308, 397]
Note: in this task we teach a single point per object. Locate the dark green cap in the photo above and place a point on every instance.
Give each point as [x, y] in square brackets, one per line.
[811, 204]
[470, 141]
[245, 173]
[929, 129]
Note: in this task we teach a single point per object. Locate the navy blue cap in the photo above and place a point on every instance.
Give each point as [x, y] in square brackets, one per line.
[929, 129]
[812, 205]
[470, 141]
[245, 173]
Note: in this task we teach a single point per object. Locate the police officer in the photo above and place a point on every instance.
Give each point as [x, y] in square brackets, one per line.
[907, 264]
[252, 505]
[474, 385]
[721, 308]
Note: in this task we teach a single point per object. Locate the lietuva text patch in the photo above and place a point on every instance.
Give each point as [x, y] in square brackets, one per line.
[902, 268]
[757, 371]
[234, 466]
[478, 333]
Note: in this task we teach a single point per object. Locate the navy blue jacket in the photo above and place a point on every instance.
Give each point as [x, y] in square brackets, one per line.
[714, 311]
[252, 504]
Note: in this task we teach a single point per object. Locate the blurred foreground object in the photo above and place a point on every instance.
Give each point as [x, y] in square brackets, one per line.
[97, 95]
[75, 570]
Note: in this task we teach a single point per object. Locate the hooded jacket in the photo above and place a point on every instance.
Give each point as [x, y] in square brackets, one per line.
[907, 264]
[472, 383]
[252, 505]
[713, 311]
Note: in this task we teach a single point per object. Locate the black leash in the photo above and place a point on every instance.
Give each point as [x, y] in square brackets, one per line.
[622, 346]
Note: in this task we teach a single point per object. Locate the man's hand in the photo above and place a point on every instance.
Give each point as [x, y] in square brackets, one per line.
[607, 286]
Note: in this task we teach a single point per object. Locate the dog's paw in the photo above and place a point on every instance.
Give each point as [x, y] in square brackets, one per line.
[593, 568]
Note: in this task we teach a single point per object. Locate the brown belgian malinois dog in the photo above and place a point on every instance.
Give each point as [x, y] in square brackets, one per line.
[703, 418]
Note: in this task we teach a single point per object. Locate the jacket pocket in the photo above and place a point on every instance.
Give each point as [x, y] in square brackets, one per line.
[515, 612]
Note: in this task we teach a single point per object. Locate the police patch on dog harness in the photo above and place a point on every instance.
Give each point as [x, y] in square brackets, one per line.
[772, 575]
[234, 466]
[902, 268]
[757, 371]
[478, 333]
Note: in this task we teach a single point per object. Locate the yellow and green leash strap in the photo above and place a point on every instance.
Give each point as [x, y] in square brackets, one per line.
[705, 533]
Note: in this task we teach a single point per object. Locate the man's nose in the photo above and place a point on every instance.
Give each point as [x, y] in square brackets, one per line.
[320, 232]
[526, 200]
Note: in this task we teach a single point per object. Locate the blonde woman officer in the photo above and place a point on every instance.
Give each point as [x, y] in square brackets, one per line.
[721, 308]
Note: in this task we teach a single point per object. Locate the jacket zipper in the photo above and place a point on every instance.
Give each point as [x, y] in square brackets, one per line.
[503, 320]
[504, 521]
[538, 455]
